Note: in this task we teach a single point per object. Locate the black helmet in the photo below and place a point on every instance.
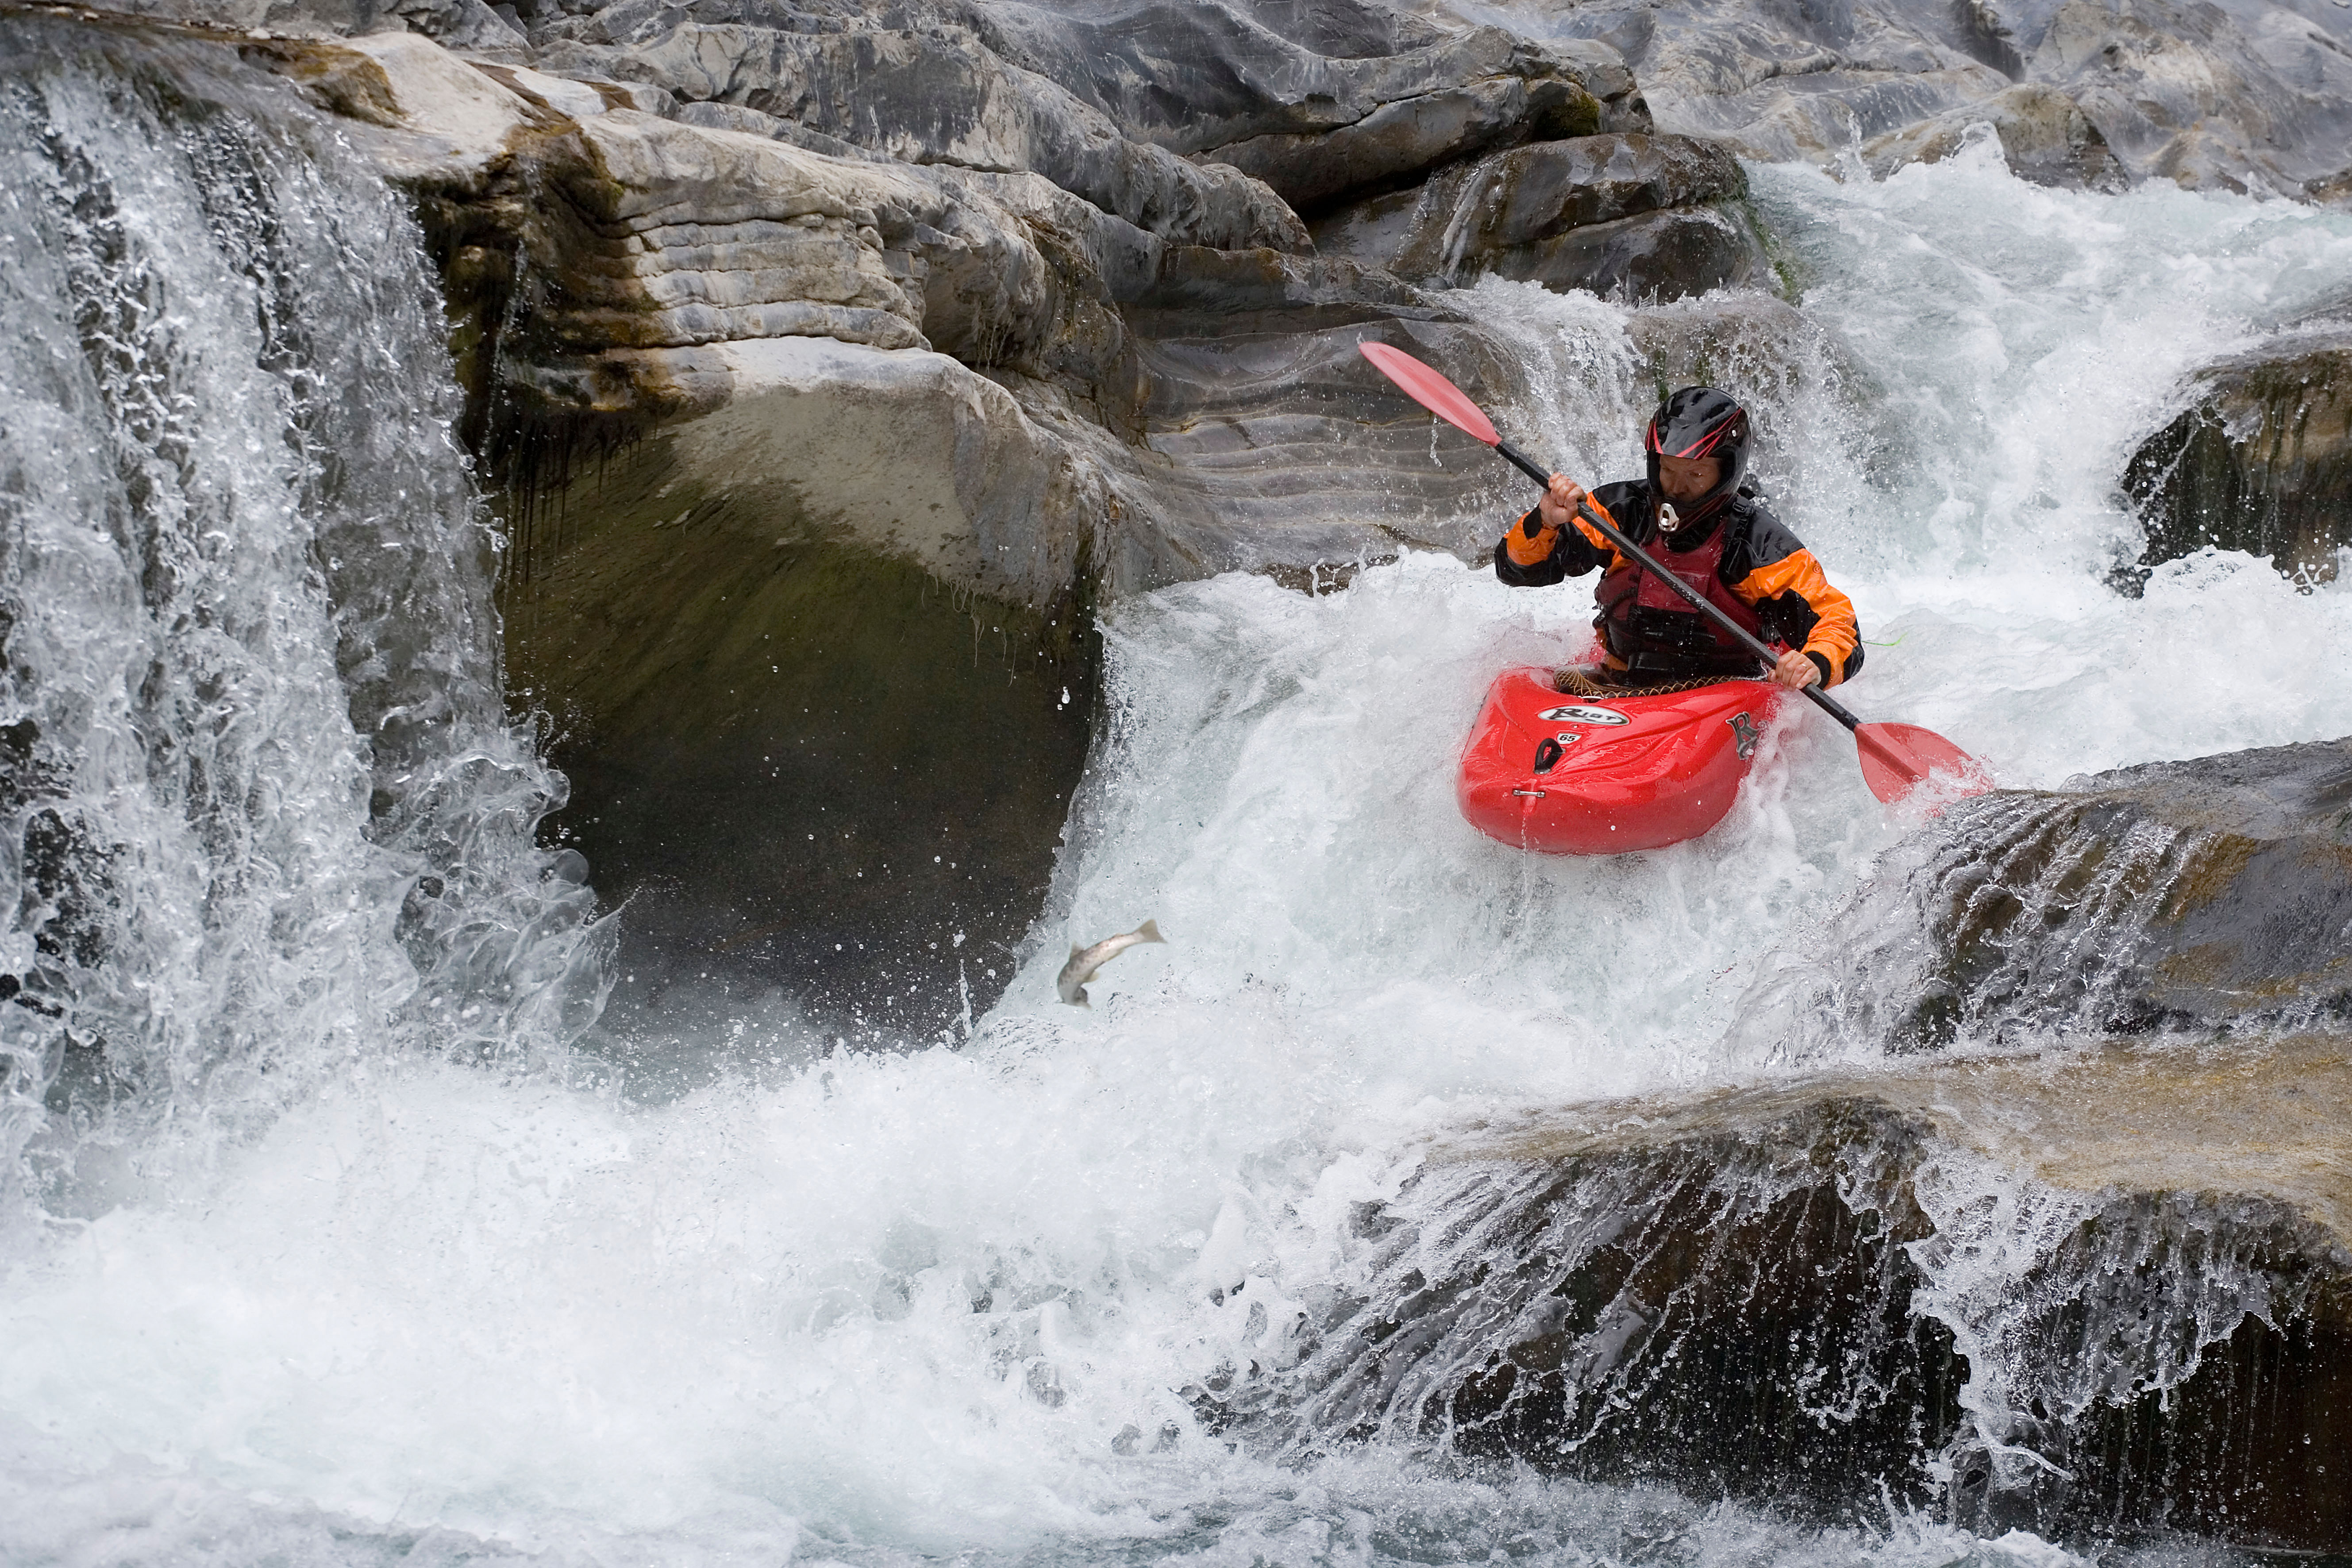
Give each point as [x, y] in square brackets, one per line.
[1700, 422]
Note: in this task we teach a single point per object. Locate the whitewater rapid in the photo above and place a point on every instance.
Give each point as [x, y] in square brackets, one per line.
[878, 1307]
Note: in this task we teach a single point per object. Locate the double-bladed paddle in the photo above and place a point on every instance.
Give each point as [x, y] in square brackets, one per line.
[1896, 758]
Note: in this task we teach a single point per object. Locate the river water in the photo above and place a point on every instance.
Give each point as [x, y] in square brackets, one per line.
[325, 1246]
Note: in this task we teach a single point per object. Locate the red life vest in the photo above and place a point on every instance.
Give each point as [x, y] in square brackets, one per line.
[1648, 625]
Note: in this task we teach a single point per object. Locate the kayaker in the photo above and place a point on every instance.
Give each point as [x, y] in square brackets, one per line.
[1697, 516]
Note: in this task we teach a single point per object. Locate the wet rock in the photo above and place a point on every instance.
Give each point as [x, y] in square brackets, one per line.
[1658, 255]
[2171, 896]
[473, 26]
[1402, 140]
[1200, 75]
[1751, 340]
[1682, 1310]
[944, 98]
[2253, 95]
[2044, 137]
[1274, 450]
[2260, 461]
[1624, 214]
[2251, 98]
[910, 455]
[1790, 1292]
[795, 752]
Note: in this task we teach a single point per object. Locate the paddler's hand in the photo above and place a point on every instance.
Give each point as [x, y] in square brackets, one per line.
[1562, 498]
[1796, 671]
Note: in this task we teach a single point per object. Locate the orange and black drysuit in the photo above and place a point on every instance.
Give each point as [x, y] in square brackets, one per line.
[1747, 565]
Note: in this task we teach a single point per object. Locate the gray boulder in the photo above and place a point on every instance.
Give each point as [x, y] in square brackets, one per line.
[1785, 1292]
[1663, 255]
[944, 98]
[2244, 95]
[2260, 461]
[1614, 213]
[1405, 138]
[2044, 137]
[1318, 100]
[2176, 896]
[748, 624]
[2248, 96]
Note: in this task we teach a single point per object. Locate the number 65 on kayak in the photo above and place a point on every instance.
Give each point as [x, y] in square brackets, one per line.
[1710, 611]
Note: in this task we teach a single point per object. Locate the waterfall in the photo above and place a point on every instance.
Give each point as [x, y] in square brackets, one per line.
[266, 815]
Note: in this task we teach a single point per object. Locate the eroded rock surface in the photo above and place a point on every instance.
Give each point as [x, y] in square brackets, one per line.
[977, 379]
[2044, 135]
[2260, 461]
[2251, 95]
[801, 757]
[1634, 215]
[923, 98]
[1214, 75]
[2170, 896]
[2088, 1293]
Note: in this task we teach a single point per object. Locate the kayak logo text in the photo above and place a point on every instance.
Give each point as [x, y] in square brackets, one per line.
[1744, 735]
[1580, 714]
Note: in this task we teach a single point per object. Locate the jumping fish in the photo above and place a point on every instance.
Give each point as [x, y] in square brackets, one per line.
[1070, 984]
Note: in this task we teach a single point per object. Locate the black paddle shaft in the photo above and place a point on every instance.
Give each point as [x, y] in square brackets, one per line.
[1698, 601]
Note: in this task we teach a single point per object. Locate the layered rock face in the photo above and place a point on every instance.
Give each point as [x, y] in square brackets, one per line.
[2250, 95]
[1802, 1293]
[1637, 214]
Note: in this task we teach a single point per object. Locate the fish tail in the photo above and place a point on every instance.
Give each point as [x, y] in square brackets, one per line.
[1149, 931]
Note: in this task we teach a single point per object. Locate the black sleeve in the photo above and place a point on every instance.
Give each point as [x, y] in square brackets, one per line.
[1573, 555]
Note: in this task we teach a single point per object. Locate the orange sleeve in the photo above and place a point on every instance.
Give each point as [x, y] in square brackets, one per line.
[1835, 634]
[1594, 535]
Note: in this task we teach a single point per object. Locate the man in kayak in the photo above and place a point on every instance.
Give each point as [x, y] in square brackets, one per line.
[1715, 535]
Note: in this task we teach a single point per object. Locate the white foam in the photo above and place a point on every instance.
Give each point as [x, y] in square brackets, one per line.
[902, 1306]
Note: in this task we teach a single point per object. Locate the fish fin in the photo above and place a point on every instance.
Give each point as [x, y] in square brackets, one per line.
[1082, 1000]
[1075, 950]
[1149, 931]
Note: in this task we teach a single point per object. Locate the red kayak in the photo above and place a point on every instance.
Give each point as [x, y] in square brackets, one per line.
[1606, 774]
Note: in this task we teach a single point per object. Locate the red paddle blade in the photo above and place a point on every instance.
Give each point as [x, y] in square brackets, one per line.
[1899, 758]
[1431, 391]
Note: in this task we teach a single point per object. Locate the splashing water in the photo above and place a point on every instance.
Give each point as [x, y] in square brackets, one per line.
[269, 821]
[347, 1296]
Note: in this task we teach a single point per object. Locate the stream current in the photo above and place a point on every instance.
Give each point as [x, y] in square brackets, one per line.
[327, 1244]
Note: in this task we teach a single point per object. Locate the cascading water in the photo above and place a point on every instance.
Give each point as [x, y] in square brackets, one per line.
[328, 1259]
[269, 820]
